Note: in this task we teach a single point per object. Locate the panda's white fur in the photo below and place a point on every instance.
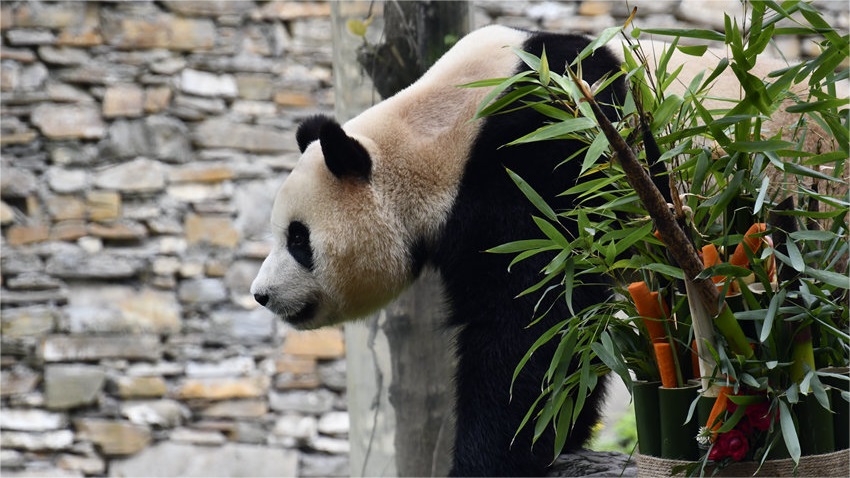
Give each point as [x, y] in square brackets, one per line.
[361, 232]
[420, 192]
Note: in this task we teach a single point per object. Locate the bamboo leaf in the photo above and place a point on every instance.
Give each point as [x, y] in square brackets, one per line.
[666, 269]
[553, 112]
[510, 98]
[358, 27]
[583, 384]
[569, 279]
[816, 20]
[759, 146]
[527, 416]
[590, 186]
[551, 232]
[718, 203]
[819, 391]
[538, 285]
[529, 59]
[495, 92]
[606, 36]
[822, 105]
[519, 246]
[789, 433]
[562, 430]
[545, 418]
[813, 235]
[793, 393]
[827, 158]
[765, 186]
[687, 33]
[633, 237]
[610, 357]
[532, 196]
[828, 277]
[796, 258]
[544, 338]
[807, 379]
[733, 420]
[666, 110]
[565, 347]
[770, 315]
[544, 68]
[531, 253]
[558, 263]
[717, 71]
[724, 269]
[735, 119]
[594, 152]
[794, 168]
[695, 50]
[556, 130]
[484, 83]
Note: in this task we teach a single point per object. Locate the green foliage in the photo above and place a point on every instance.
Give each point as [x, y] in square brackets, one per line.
[622, 438]
[732, 167]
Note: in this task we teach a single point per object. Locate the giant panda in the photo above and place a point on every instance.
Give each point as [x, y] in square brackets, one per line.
[414, 182]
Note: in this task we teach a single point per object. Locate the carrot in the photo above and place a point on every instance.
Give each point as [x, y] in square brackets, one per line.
[710, 257]
[666, 365]
[652, 308]
[695, 360]
[714, 422]
[739, 257]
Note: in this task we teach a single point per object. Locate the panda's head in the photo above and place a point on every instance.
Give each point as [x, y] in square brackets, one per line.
[338, 250]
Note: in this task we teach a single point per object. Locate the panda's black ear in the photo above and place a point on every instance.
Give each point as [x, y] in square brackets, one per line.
[308, 130]
[344, 156]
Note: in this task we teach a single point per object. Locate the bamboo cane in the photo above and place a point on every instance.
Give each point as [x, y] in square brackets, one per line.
[704, 291]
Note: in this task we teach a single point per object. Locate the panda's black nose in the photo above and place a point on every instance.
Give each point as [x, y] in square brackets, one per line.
[261, 299]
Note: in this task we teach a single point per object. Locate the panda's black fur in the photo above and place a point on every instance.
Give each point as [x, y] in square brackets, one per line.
[491, 210]
[493, 333]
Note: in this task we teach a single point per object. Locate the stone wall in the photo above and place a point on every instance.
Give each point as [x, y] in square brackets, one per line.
[142, 143]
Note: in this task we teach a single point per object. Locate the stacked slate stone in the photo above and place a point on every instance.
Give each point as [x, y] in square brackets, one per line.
[142, 144]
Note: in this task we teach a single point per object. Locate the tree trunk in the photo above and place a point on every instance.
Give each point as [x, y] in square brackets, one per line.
[401, 360]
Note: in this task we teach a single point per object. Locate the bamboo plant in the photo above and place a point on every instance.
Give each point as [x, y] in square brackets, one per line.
[753, 251]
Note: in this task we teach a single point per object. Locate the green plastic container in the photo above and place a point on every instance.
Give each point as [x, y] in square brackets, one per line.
[816, 430]
[678, 438]
[841, 417]
[647, 417]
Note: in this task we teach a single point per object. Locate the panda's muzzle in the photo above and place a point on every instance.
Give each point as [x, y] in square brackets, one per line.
[302, 316]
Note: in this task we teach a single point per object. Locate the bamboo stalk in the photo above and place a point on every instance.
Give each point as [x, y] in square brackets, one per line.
[683, 252]
[704, 334]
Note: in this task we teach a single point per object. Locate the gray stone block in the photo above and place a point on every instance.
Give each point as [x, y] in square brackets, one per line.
[69, 386]
[168, 459]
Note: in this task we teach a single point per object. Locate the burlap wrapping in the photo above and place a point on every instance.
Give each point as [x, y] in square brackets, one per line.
[831, 464]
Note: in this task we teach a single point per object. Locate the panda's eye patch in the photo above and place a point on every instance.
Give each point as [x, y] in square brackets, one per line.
[298, 244]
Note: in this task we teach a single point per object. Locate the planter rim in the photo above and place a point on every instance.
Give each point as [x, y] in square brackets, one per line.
[836, 463]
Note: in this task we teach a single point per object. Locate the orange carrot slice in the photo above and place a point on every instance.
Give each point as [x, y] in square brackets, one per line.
[739, 257]
[710, 257]
[720, 403]
[651, 307]
[666, 365]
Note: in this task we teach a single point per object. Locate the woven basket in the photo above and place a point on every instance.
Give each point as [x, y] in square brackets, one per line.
[831, 464]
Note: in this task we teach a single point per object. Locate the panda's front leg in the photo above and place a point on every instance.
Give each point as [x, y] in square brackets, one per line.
[487, 416]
